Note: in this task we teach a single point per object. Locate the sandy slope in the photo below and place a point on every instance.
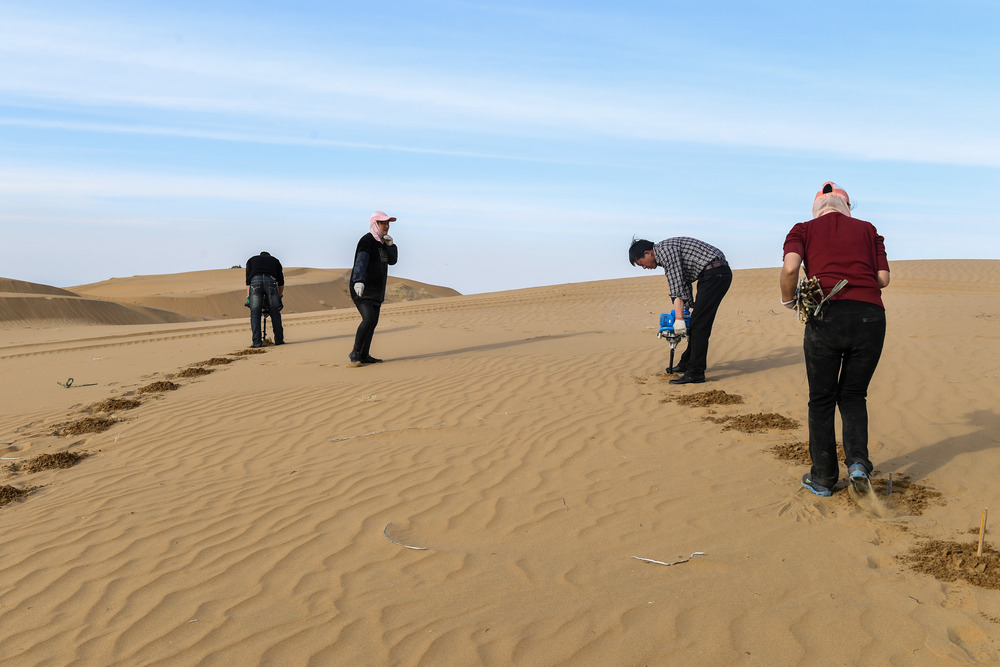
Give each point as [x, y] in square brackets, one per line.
[221, 293]
[528, 444]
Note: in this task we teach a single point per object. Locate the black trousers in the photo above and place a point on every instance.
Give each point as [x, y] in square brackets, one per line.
[712, 286]
[366, 330]
[265, 289]
[842, 351]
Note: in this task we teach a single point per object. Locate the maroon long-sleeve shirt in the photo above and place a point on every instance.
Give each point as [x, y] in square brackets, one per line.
[834, 247]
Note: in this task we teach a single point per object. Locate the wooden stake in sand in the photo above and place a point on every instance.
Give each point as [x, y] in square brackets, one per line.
[982, 533]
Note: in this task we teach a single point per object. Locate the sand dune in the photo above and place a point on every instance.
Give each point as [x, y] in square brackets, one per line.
[486, 495]
[33, 305]
[221, 293]
[8, 286]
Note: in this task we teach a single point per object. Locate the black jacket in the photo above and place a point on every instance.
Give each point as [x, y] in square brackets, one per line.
[371, 267]
[264, 264]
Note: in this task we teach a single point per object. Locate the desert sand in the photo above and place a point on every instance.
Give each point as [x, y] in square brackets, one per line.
[516, 484]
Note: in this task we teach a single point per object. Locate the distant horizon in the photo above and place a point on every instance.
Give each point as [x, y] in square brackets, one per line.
[657, 272]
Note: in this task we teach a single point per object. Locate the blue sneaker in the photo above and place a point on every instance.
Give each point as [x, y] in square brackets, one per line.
[818, 489]
[858, 477]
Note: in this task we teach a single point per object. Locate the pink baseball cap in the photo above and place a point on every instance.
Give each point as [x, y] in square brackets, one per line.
[379, 216]
[831, 188]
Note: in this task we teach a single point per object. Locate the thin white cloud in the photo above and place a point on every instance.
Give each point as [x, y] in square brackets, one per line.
[67, 183]
[83, 189]
[100, 221]
[78, 68]
[263, 138]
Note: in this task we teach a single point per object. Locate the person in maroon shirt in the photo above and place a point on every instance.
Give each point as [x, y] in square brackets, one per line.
[843, 344]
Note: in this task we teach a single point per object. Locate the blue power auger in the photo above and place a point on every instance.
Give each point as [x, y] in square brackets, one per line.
[672, 337]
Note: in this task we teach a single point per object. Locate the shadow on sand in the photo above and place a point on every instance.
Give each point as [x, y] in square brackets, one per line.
[919, 462]
[495, 346]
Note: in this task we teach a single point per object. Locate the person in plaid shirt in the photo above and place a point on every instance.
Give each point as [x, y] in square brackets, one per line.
[686, 261]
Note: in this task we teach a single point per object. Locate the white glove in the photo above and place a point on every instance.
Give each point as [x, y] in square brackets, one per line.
[680, 326]
[387, 239]
[790, 305]
[359, 289]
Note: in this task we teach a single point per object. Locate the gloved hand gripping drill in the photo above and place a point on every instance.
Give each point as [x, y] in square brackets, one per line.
[673, 330]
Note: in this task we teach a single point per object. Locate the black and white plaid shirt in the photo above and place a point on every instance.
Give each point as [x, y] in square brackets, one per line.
[683, 259]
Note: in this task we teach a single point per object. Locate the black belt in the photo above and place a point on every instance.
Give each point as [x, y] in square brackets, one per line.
[714, 264]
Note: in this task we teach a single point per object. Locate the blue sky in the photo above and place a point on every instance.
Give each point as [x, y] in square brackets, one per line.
[519, 143]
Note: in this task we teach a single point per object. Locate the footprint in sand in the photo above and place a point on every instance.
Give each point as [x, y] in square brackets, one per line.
[955, 597]
[880, 561]
[800, 508]
[974, 642]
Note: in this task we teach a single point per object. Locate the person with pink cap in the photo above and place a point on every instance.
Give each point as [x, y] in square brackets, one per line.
[375, 253]
[843, 343]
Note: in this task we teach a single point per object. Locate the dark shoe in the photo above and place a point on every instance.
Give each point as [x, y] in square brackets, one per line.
[858, 477]
[818, 489]
[688, 378]
[279, 342]
[257, 345]
[371, 360]
[355, 360]
[680, 370]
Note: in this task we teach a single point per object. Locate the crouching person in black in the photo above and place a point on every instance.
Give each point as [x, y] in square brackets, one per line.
[265, 283]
